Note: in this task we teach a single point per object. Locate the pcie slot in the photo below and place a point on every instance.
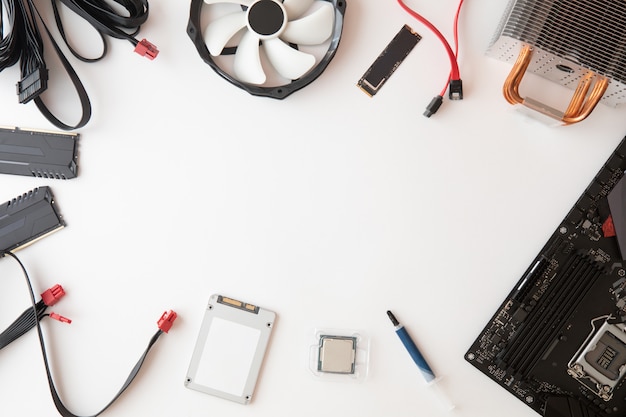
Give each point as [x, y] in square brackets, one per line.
[546, 319]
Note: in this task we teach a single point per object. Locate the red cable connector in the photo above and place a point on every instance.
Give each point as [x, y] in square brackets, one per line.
[147, 49]
[166, 320]
[52, 295]
[60, 318]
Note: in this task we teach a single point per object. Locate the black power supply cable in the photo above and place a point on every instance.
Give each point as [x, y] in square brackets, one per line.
[21, 41]
[31, 318]
[110, 22]
[9, 52]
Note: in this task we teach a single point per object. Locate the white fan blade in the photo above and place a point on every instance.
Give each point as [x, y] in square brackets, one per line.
[247, 64]
[296, 8]
[218, 32]
[289, 62]
[243, 2]
[312, 29]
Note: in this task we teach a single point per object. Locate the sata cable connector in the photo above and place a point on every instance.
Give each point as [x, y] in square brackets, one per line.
[456, 90]
[28, 218]
[433, 106]
[147, 49]
[32, 85]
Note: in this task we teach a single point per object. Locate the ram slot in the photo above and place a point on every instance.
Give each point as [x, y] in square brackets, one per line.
[535, 318]
[546, 319]
[567, 306]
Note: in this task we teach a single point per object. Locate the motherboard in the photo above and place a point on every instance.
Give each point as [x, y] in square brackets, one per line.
[558, 340]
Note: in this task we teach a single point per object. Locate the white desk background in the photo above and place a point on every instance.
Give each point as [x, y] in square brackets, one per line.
[328, 207]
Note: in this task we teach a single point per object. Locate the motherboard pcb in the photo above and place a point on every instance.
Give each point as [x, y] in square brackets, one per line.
[558, 340]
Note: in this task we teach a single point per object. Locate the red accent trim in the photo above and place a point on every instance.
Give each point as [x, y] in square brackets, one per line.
[608, 228]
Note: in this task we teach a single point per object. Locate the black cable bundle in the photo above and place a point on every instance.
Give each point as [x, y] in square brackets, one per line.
[22, 325]
[31, 317]
[107, 21]
[23, 42]
[9, 43]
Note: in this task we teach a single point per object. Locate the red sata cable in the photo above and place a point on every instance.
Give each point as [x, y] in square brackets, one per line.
[454, 79]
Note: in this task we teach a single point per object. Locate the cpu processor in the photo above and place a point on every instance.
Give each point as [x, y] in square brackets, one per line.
[337, 354]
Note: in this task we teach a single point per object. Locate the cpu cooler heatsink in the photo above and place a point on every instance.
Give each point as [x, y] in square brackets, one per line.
[577, 44]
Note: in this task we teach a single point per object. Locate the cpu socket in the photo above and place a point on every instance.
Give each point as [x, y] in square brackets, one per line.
[601, 363]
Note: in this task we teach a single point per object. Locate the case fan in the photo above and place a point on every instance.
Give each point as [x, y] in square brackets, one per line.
[271, 38]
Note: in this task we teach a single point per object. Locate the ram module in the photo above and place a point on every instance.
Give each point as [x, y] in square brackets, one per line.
[38, 153]
[28, 218]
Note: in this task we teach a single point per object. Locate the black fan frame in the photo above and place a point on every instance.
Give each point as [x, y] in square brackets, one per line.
[279, 92]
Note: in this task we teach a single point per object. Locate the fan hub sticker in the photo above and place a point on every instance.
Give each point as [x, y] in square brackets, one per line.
[267, 18]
